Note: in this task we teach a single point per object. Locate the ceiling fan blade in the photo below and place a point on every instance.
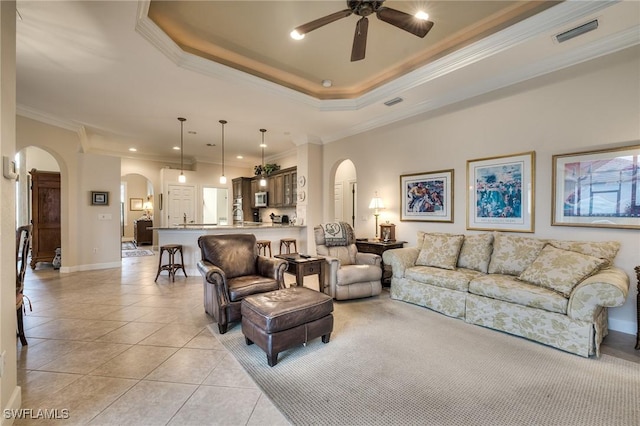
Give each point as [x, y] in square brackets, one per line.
[313, 25]
[360, 40]
[404, 21]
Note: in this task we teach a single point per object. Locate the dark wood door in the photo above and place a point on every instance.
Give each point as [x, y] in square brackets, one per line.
[45, 215]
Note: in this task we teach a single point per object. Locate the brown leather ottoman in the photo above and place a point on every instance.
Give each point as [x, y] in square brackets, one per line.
[281, 319]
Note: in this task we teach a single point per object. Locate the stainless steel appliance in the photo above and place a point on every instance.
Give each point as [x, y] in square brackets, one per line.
[261, 199]
[238, 215]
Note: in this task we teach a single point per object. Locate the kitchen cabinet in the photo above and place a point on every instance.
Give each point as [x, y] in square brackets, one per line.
[242, 198]
[255, 187]
[276, 190]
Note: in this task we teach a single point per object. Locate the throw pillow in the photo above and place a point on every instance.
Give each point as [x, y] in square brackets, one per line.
[476, 252]
[440, 250]
[561, 270]
[512, 254]
[600, 249]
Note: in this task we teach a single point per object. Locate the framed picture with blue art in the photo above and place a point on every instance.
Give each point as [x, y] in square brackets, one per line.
[501, 193]
[597, 188]
[427, 197]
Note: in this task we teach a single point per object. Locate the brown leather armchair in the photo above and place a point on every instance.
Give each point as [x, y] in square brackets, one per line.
[232, 270]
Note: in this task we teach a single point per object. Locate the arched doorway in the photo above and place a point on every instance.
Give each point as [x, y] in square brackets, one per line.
[137, 204]
[345, 193]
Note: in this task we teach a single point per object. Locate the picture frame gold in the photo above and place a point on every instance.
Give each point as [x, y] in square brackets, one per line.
[501, 193]
[427, 196]
[599, 188]
[135, 204]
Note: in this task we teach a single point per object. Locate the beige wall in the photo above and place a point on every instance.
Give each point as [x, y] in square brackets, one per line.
[591, 106]
[9, 391]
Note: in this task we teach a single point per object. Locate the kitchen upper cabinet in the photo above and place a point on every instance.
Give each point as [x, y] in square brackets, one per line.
[255, 187]
[276, 190]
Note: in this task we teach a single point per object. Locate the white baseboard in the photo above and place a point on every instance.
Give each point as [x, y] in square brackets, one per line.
[14, 403]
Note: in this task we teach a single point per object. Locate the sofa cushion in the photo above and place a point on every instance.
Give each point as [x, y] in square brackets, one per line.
[440, 250]
[476, 252]
[512, 254]
[350, 274]
[561, 270]
[453, 280]
[509, 289]
[601, 249]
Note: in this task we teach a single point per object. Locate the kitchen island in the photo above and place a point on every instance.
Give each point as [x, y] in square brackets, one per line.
[188, 235]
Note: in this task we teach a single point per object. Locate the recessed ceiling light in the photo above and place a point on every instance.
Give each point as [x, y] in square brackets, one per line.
[132, 149]
[239, 157]
[177, 148]
[424, 16]
[327, 83]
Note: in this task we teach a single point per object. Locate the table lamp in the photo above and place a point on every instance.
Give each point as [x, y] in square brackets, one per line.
[376, 204]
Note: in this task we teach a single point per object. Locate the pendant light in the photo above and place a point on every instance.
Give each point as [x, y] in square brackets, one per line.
[223, 178]
[182, 178]
[263, 179]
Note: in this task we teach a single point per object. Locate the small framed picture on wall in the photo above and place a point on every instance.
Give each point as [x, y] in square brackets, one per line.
[99, 198]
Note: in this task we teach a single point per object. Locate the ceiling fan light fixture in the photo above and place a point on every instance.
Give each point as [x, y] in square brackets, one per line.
[296, 35]
[422, 15]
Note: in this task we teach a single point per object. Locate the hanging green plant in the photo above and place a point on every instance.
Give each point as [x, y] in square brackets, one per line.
[267, 169]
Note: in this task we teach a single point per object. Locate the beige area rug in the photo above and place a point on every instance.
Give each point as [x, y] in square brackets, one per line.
[137, 253]
[389, 362]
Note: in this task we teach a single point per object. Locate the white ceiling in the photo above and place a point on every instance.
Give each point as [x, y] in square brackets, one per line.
[105, 70]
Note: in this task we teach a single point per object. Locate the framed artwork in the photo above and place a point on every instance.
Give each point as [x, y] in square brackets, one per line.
[99, 198]
[427, 197]
[135, 204]
[501, 193]
[597, 188]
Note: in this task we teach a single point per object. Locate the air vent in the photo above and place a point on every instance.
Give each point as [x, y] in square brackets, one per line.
[393, 101]
[584, 28]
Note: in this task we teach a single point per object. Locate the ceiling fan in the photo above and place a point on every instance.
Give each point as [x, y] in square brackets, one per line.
[415, 25]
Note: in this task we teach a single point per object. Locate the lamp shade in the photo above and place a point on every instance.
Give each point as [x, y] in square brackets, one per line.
[376, 203]
[147, 205]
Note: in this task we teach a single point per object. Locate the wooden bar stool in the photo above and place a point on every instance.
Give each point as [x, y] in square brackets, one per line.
[287, 243]
[172, 266]
[263, 245]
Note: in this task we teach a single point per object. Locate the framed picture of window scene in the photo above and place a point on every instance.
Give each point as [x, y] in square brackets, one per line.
[99, 198]
[501, 193]
[427, 197]
[597, 188]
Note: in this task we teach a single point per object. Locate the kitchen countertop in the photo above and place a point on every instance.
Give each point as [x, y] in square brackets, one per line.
[246, 225]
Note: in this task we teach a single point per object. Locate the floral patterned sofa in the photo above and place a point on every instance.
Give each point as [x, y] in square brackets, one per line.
[551, 291]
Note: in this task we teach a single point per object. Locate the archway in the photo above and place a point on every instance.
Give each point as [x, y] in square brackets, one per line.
[345, 193]
[136, 203]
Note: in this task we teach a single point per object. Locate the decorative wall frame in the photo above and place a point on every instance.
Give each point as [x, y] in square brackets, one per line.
[501, 193]
[99, 198]
[135, 204]
[427, 197]
[597, 188]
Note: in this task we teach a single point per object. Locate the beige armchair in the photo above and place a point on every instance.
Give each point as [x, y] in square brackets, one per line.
[350, 274]
[232, 270]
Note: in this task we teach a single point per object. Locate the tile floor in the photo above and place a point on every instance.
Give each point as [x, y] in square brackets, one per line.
[114, 347]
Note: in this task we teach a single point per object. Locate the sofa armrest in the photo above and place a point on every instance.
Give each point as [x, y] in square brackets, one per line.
[400, 259]
[608, 288]
[272, 267]
[368, 259]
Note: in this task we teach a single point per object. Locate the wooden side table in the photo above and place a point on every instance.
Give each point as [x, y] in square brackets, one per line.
[302, 266]
[378, 247]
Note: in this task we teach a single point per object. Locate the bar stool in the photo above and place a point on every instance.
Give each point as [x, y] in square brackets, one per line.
[263, 245]
[287, 242]
[172, 266]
